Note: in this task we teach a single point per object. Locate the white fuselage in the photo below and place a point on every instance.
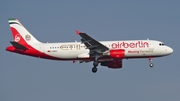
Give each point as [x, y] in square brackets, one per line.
[133, 49]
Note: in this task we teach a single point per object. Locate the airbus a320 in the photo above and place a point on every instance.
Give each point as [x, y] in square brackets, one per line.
[106, 53]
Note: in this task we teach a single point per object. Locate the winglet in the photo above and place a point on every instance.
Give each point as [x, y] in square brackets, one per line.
[78, 32]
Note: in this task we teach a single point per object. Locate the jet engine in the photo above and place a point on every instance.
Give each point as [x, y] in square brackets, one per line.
[112, 64]
[118, 53]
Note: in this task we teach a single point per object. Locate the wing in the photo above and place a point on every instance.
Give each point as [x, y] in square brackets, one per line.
[93, 45]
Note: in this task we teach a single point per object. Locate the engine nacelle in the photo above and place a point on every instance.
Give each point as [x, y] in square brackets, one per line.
[119, 53]
[112, 64]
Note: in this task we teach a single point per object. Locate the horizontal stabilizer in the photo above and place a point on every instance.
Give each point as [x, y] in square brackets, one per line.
[18, 46]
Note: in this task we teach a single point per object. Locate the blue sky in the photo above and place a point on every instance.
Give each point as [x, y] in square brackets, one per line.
[26, 78]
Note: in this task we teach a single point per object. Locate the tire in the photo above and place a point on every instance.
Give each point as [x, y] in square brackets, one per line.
[151, 64]
[94, 69]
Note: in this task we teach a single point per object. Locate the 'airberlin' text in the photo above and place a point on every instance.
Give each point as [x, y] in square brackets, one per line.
[138, 44]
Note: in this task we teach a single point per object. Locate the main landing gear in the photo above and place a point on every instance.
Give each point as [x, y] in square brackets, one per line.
[150, 61]
[95, 64]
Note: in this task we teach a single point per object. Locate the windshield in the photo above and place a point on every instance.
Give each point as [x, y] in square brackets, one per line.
[161, 44]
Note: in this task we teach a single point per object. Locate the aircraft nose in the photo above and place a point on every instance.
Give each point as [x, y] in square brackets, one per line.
[169, 50]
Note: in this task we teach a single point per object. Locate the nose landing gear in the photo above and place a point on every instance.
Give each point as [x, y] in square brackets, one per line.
[95, 64]
[151, 64]
[150, 61]
[94, 69]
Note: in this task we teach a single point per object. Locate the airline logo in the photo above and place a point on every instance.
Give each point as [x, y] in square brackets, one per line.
[17, 38]
[138, 44]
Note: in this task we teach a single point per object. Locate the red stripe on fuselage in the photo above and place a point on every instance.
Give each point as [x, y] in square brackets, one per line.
[31, 52]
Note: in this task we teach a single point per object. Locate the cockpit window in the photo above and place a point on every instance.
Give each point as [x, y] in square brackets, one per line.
[161, 44]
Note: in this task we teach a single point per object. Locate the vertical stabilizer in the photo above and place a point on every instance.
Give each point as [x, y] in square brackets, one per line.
[20, 33]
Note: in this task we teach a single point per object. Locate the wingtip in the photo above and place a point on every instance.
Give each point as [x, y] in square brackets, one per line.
[77, 32]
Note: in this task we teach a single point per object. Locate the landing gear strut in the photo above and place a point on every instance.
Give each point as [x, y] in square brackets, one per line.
[94, 69]
[150, 61]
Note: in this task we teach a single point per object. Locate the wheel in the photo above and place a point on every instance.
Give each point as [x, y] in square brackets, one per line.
[95, 63]
[94, 69]
[151, 64]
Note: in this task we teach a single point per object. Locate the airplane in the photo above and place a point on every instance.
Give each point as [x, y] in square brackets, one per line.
[106, 53]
